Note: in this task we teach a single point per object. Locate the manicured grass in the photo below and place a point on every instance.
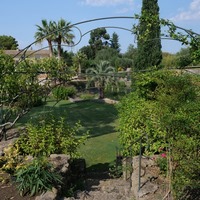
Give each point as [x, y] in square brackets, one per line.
[100, 151]
[99, 119]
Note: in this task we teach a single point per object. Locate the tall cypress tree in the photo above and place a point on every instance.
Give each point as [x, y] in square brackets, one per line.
[149, 36]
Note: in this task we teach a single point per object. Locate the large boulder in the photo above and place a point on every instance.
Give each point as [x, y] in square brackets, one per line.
[60, 162]
[49, 195]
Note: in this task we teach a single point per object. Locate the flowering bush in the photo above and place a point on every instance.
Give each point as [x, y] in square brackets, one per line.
[162, 163]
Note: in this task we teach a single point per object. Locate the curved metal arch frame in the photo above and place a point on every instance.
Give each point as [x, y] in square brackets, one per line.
[24, 50]
[75, 25]
[80, 39]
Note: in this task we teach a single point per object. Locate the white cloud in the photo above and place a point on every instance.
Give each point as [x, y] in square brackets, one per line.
[192, 13]
[106, 2]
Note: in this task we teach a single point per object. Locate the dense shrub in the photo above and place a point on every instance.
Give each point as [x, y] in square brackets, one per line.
[117, 90]
[63, 92]
[79, 85]
[184, 58]
[169, 61]
[50, 136]
[165, 107]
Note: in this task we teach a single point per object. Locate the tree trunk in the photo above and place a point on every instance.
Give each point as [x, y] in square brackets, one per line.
[50, 49]
[79, 70]
[101, 93]
[59, 50]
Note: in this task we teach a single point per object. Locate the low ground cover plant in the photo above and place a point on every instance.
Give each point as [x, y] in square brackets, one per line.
[36, 177]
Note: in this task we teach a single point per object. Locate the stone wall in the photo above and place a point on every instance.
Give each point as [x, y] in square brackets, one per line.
[153, 185]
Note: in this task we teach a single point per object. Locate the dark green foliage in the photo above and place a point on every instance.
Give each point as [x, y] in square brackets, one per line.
[162, 164]
[88, 51]
[149, 43]
[63, 92]
[79, 61]
[115, 170]
[128, 58]
[8, 43]
[115, 42]
[117, 91]
[36, 176]
[123, 63]
[107, 54]
[99, 38]
[79, 85]
[67, 56]
[183, 58]
[131, 52]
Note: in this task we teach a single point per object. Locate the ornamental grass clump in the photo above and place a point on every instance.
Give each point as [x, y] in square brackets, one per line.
[36, 177]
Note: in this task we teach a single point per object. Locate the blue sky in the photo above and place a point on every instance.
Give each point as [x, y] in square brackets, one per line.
[19, 18]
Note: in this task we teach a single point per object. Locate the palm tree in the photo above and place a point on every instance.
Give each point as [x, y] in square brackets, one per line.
[78, 60]
[102, 75]
[63, 34]
[45, 31]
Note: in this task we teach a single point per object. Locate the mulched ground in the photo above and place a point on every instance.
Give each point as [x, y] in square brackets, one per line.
[8, 189]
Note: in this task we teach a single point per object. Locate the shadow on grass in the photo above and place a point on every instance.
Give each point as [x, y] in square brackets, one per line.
[100, 167]
[96, 131]
[97, 118]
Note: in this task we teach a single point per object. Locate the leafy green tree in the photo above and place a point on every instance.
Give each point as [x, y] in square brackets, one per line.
[45, 32]
[62, 31]
[88, 51]
[102, 75]
[66, 55]
[8, 43]
[21, 89]
[183, 58]
[123, 63]
[107, 54]
[115, 42]
[131, 52]
[149, 36]
[171, 31]
[56, 70]
[99, 38]
[128, 58]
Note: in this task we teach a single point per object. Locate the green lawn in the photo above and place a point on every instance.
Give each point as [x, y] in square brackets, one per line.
[99, 118]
